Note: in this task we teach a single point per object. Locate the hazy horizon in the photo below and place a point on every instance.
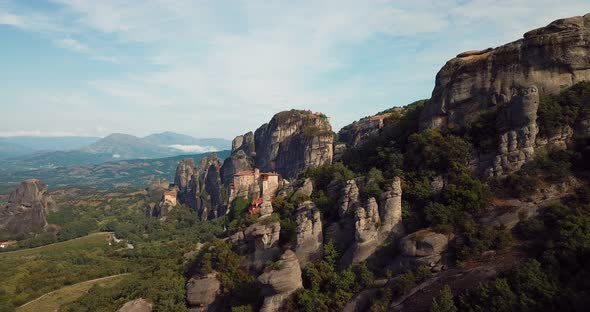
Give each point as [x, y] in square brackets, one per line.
[217, 69]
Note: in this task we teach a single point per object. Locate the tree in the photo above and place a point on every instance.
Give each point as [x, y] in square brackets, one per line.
[445, 301]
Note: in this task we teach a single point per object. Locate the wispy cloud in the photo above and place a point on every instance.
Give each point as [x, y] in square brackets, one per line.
[206, 65]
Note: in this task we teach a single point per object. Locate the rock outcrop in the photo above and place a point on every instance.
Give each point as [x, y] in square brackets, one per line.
[26, 209]
[137, 305]
[202, 292]
[200, 188]
[353, 135]
[161, 198]
[309, 239]
[259, 242]
[350, 199]
[424, 247]
[280, 282]
[306, 189]
[374, 222]
[294, 141]
[508, 80]
[290, 143]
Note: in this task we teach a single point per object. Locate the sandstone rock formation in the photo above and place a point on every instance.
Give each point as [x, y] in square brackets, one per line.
[200, 188]
[280, 282]
[259, 242]
[241, 159]
[306, 189]
[137, 305]
[349, 201]
[374, 223]
[26, 209]
[424, 247]
[309, 240]
[508, 80]
[290, 143]
[356, 133]
[202, 292]
[161, 198]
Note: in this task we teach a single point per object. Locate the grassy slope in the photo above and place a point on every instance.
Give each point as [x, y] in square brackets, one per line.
[29, 273]
[54, 300]
[87, 242]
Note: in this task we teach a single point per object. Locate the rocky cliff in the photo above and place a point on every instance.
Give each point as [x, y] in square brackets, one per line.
[26, 209]
[508, 80]
[374, 222]
[200, 187]
[290, 143]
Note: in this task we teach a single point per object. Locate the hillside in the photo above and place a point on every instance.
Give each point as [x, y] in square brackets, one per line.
[186, 142]
[124, 146]
[477, 199]
[131, 173]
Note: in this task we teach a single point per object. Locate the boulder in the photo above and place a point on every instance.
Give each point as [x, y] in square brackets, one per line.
[137, 305]
[280, 282]
[424, 247]
[202, 292]
[309, 240]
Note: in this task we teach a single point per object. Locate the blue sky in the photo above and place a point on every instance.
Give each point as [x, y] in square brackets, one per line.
[220, 68]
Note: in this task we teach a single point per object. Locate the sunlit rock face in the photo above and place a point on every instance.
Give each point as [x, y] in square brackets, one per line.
[509, 79]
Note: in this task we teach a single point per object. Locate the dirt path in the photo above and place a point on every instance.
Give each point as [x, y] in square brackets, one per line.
[89, 281]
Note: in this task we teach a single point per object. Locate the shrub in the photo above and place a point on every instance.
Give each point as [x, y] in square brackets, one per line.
[565, 109]
[445, 302]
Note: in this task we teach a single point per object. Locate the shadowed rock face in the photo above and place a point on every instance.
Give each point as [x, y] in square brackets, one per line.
[509, 80]
[200, 188]
[374, 222]
[26, 209]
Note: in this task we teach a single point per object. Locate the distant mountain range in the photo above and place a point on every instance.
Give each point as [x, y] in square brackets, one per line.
[133, 173]
[22, 153]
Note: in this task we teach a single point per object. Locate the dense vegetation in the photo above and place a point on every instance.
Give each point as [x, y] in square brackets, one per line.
[156, 262]
[441, 192]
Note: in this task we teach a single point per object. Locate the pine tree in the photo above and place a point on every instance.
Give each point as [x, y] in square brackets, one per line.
[445, 301]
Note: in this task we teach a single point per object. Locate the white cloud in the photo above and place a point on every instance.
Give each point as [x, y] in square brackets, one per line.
[223, 67]
[194, 148]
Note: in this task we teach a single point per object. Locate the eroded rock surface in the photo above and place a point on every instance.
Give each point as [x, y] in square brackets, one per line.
[279, 283]
[508, 79]
[137, 305]
[375, 223]
[26, 209]
[202, 292]
[309, 240]
[200, 188]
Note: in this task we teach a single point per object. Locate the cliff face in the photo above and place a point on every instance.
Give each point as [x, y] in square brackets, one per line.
[290, 143]
[509, 79]
[26, 209]
[200, 187]
[294, 141]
